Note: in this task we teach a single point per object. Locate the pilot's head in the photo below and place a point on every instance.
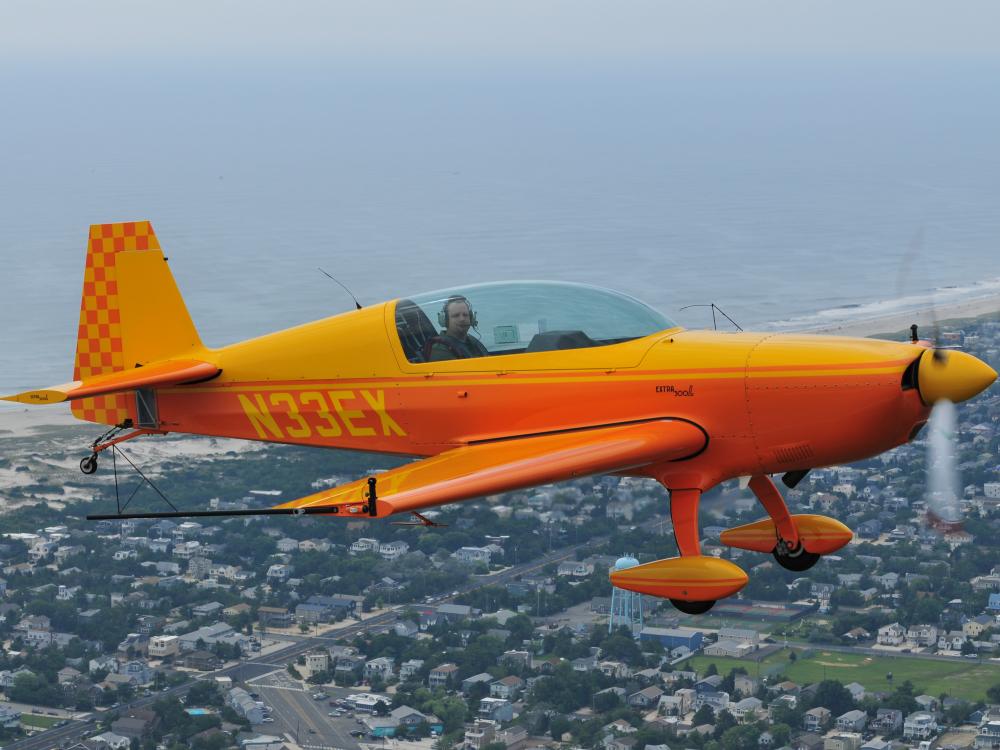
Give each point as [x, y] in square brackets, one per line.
[457, 316]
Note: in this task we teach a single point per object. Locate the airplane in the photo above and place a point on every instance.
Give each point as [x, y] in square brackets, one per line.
[552, 381]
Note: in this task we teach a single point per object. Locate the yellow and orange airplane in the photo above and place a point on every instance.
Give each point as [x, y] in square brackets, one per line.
[563, 381]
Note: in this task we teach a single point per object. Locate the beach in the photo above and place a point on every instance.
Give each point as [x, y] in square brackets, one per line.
[925, 318]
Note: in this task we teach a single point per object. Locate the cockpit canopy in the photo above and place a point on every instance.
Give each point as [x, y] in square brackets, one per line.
[524, 316]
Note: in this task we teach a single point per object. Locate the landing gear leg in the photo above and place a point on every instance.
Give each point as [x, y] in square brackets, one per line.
[684, 515]
[788, 550]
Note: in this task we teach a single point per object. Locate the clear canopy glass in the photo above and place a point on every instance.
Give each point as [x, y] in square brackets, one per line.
[521, 317]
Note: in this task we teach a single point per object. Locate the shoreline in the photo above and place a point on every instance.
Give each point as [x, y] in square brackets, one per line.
[924, 317]
[22, 421]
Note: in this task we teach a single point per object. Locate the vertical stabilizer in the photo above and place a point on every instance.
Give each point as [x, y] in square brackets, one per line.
[131, 314]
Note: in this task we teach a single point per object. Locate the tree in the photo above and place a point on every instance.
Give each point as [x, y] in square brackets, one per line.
[704, 715]
[723, 722]
[834, 696]
[993, 693]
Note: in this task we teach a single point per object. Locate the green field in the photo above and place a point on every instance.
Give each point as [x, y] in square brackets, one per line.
[34, 720]
[969, 681]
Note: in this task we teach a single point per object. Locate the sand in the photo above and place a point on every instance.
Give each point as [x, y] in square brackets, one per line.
[924, 318]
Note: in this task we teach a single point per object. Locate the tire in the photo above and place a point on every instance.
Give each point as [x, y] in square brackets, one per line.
[692, 608]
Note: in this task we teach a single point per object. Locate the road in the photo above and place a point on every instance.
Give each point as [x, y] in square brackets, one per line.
[299, 644]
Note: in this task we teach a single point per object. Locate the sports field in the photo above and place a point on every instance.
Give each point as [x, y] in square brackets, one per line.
[960, 680]
[41, 722]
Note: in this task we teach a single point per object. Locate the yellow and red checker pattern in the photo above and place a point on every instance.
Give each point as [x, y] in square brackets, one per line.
[99, 348]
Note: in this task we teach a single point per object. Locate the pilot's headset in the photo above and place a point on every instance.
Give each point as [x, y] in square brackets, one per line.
[443, 312]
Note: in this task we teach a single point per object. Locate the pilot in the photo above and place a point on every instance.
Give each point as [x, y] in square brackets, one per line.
[457, 317]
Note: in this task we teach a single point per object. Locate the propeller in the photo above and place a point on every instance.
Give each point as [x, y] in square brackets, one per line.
[943, 498]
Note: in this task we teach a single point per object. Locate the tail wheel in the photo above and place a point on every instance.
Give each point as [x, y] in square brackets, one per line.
[692, 608]
[797, 560]
[88, 464]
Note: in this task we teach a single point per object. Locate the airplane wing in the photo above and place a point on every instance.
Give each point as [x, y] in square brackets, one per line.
[168, 372]
[495, 466]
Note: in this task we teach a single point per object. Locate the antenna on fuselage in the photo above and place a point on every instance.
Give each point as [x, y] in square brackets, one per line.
[356, 303]
[715, 307]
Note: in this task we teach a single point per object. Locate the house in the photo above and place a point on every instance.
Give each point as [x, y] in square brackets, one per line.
[856, 689]
[161, 646]
[206, 610]
[746, 710]
[891, 635]
[975, 626]
[745, 685]
[453, 612]
[483, 678]
[645, 698]
[317, 661]
[203, 661]
[393, 550]
[274, 617]
[815, 719]
[137, 724]
[678, 704]
[379, 668]
[9, 718]
[988, 736]
[508, 688]
[472, 555]
[113, 740]
[887, 720]
[240, 701]
[236, 610]
[364, 545]
[919, 725]
[852, 721]
[843, 741]
[406, 629]
[409, 669]
[442, 675]
[479, 735]
[279, 573]
[922, 635]
[496, 709]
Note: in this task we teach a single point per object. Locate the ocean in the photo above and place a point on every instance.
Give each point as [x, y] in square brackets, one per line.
[790, 192]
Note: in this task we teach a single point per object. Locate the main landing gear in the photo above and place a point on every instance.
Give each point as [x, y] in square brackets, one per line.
[692, 582]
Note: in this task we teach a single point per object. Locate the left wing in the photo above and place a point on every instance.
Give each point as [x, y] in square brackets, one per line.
[487, 468]
[503, 465]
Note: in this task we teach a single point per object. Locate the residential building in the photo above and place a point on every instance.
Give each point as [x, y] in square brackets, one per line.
[815, 719]
[442, 675]
[852, 721]
[920, 725]
[891, 635]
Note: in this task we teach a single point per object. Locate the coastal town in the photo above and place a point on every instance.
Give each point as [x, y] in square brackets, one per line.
[498, 630]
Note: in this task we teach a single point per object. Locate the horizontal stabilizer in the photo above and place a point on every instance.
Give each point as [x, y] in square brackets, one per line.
[170, 372]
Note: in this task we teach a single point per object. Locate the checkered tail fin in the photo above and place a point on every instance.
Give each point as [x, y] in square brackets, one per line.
[131, 314]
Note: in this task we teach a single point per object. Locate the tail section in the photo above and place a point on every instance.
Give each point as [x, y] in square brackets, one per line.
[131, 314]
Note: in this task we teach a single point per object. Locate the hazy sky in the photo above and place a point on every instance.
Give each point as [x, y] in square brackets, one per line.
[509, 30]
